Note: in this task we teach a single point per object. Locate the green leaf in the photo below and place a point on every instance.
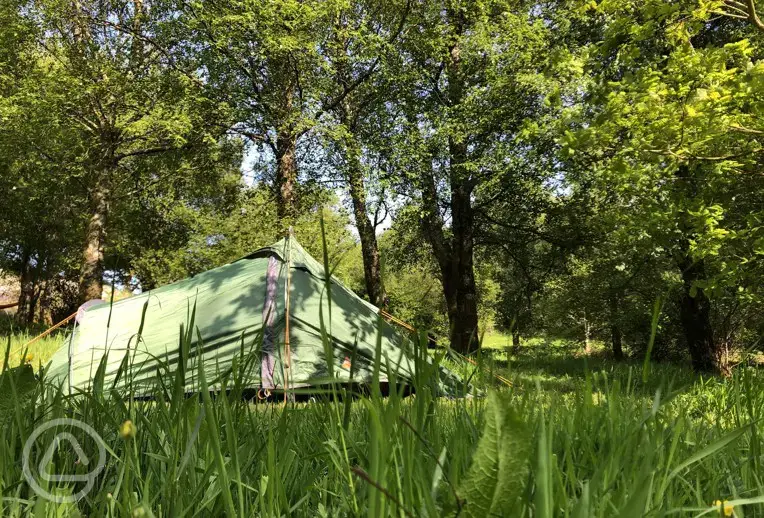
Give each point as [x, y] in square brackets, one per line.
[499, 467]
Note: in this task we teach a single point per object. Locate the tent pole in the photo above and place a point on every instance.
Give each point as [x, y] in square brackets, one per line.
[288, 352]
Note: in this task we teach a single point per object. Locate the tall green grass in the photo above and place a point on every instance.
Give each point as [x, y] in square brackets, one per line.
[571, 437]
[613, 446]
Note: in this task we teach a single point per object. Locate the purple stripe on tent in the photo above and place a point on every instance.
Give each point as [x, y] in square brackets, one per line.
[268, 363]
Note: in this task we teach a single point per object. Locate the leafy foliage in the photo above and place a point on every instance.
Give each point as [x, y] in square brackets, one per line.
[499, 467]
[537, 168]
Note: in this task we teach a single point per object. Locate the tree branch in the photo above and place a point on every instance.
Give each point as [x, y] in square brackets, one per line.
[525, 230]
[753, 16]
[348, 89]
[743, 11]
[148, 151]
[154, 45]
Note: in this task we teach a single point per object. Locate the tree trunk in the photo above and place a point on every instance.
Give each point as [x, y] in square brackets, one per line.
[45, 315]
[286, 164]
[27, 299]
[695, 306]
[695, 315]
[464, 332]
[455, 264]
[366, 231]
[136, 43]
[617, 339]
[80, 28]
[432, 224]
[615, 329]
[587, 334]
[91, 275]
[515, 342]
[286, 177]
[464, 326]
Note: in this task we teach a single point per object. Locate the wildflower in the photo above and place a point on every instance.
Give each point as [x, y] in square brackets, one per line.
[127, 430]
[28, 358]
[724, 507]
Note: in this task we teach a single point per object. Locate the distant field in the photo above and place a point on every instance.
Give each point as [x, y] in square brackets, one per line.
[501, 341]
[496, 340]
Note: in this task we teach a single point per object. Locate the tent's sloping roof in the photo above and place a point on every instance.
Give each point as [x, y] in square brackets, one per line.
[197, 280]
[300, 259]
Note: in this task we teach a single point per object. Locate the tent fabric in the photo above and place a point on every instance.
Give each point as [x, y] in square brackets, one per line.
[239, 309]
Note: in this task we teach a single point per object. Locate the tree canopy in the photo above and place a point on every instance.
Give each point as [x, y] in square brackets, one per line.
[553, 167]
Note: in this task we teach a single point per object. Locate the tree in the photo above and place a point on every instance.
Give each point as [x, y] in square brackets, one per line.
[363, 42]
[40, 217]
[470, 79]
[264, 61]
[673, 87]
[128, 117]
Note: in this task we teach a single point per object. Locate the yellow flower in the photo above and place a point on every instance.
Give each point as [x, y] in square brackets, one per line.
[724, 507]
[127, 430]
[28, 358]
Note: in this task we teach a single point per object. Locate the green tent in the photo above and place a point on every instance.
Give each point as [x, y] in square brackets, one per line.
[245, 308]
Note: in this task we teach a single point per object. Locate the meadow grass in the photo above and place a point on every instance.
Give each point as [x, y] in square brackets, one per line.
[571, 436]
[17, 338]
